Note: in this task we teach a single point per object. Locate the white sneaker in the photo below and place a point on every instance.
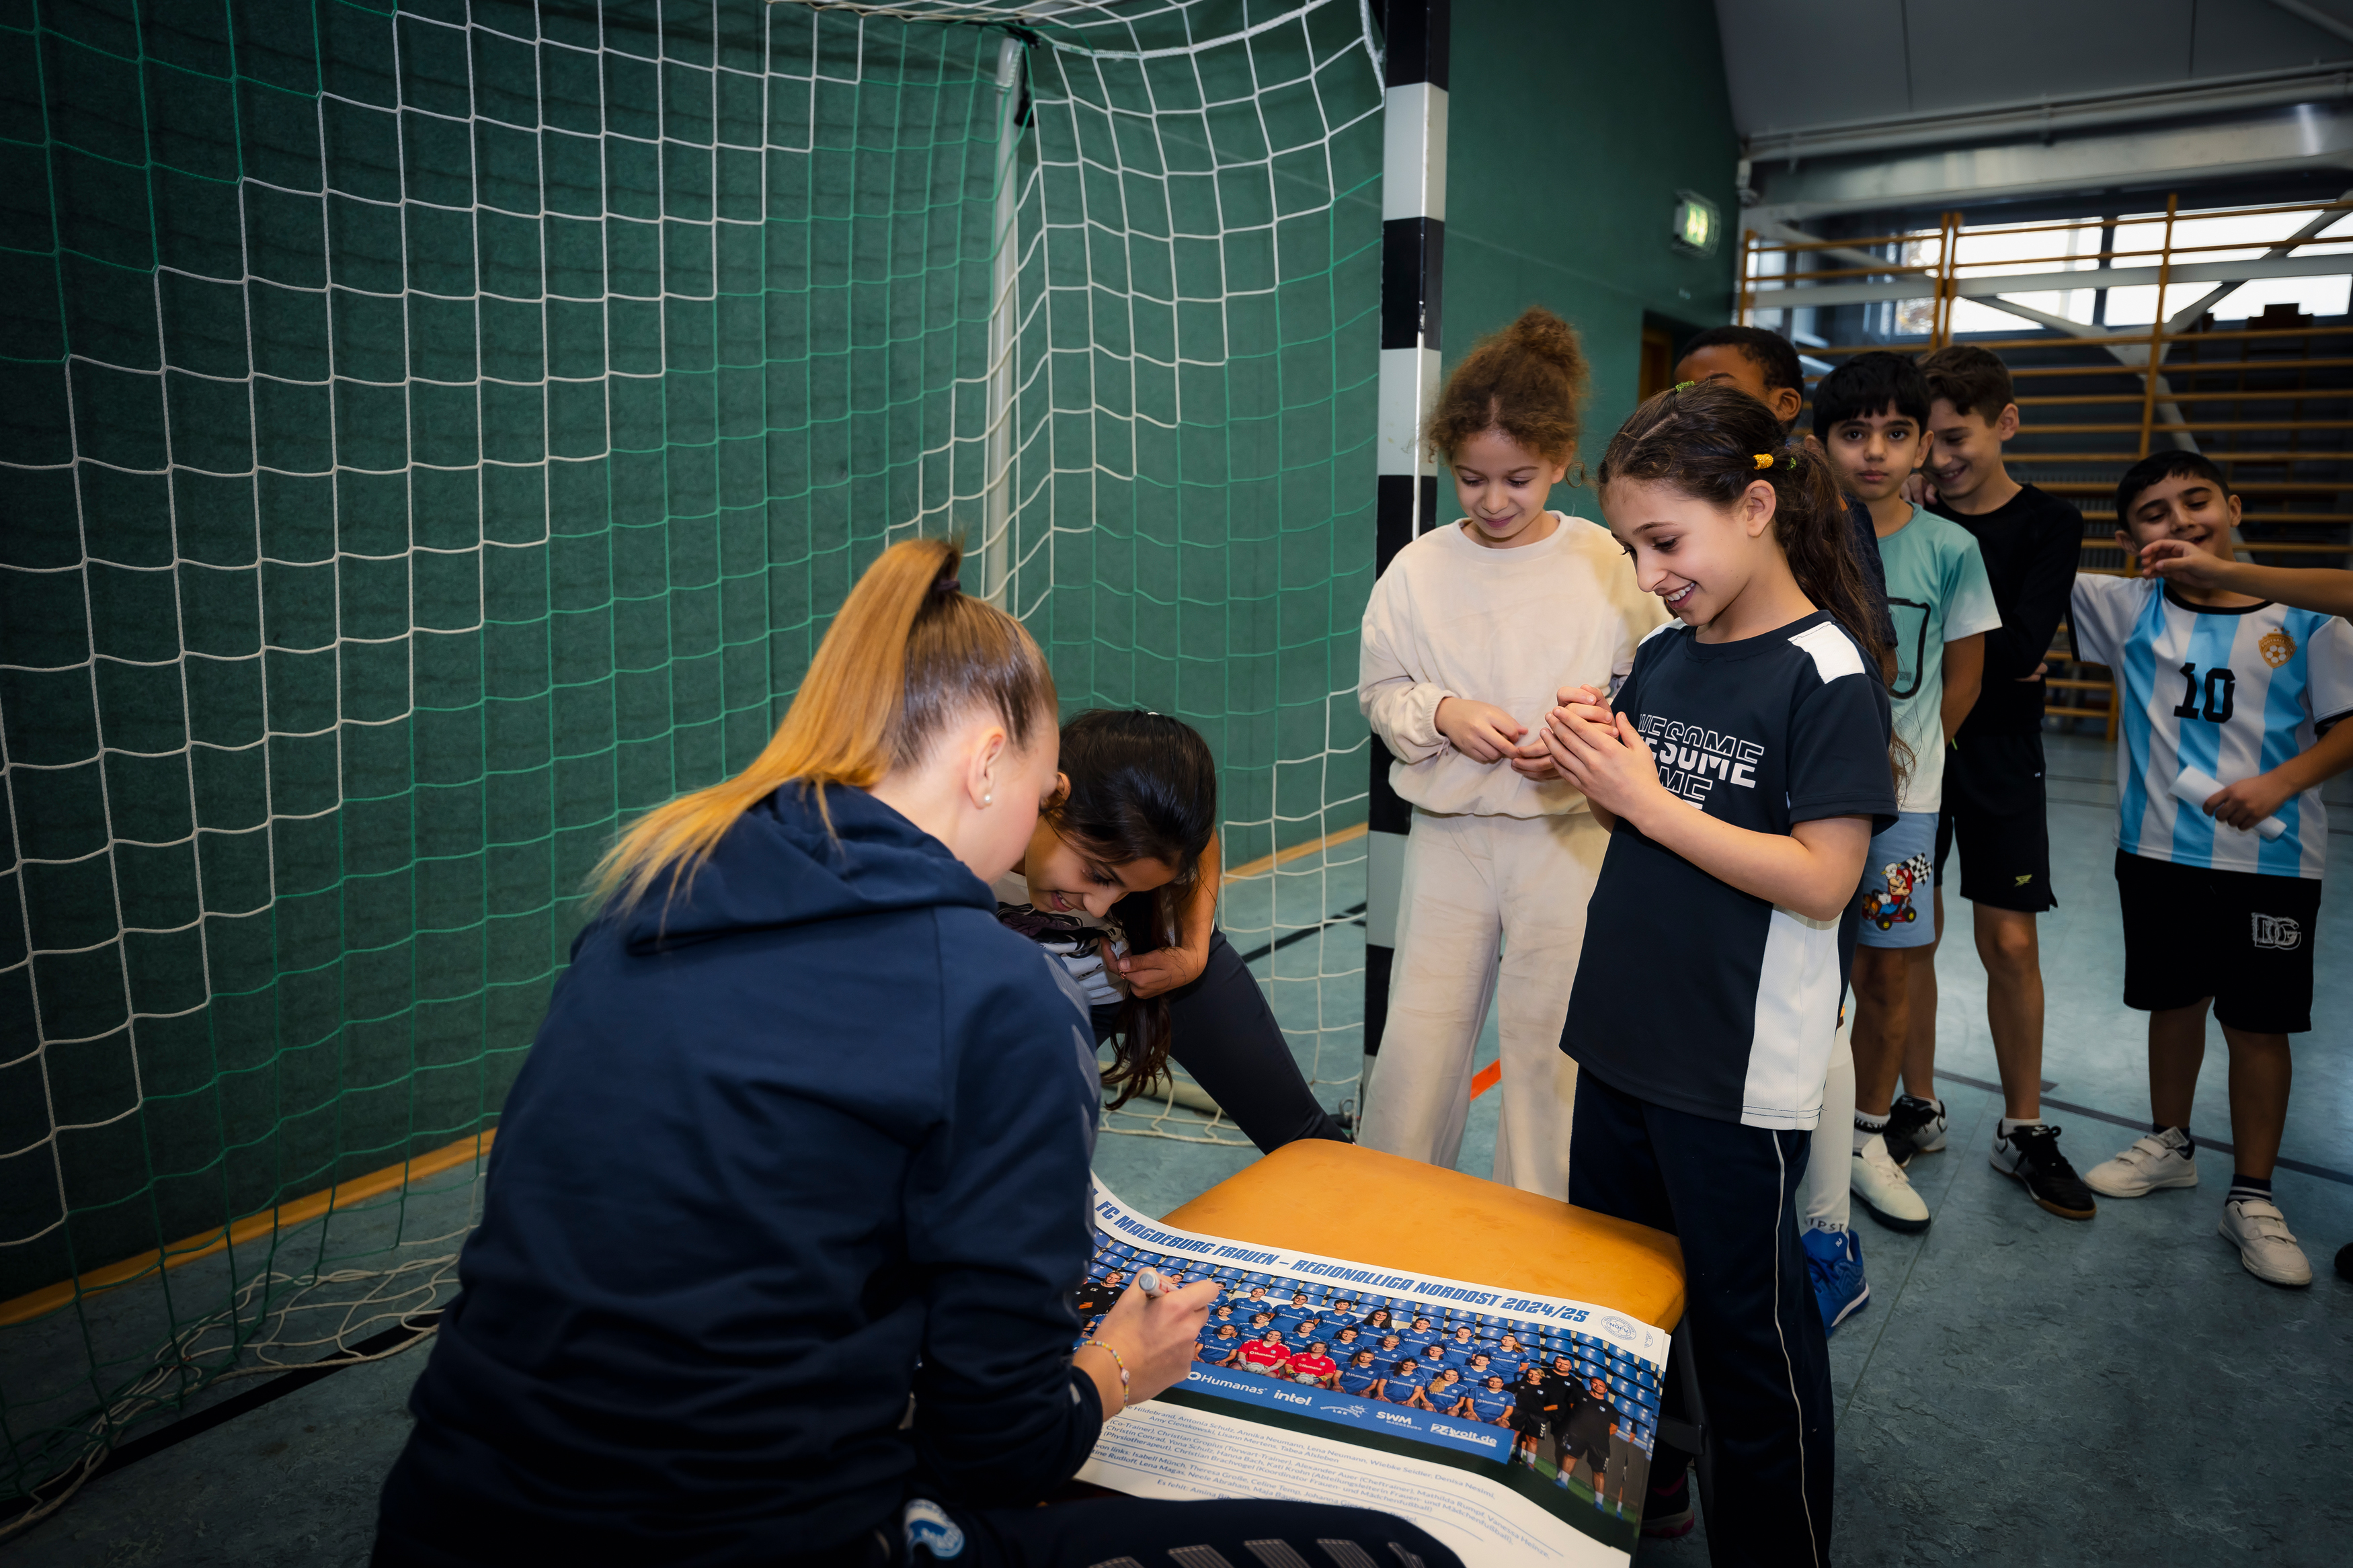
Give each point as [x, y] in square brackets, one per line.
[1883, 1190]
[2265, 1244]
[2160, 1160]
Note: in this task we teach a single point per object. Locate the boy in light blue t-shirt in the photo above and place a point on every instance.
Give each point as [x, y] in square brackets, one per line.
[1871, 417]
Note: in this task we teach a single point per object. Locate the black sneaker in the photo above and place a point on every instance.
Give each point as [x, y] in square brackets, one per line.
[2031, 1155]
[1914, 1126]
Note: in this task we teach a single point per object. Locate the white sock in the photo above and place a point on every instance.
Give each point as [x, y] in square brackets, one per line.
[1866, 1128]
[2010, 1124]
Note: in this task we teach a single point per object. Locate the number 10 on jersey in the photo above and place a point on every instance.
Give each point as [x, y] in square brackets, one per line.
[2220, 692]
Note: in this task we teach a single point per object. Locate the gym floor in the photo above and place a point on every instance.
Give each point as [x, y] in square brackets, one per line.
[2019, 1387]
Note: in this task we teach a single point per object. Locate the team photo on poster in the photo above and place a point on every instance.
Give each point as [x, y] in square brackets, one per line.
[1563, 1412]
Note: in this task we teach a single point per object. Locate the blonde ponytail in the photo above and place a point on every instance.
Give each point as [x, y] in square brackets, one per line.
[908, 653]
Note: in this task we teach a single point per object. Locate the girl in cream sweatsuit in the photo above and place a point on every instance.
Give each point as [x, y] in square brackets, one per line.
[1469, 638]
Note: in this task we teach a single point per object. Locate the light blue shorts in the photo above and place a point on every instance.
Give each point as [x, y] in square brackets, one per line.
[1898, 893]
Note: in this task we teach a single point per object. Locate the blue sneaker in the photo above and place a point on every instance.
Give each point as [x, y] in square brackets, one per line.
[1834, 1261]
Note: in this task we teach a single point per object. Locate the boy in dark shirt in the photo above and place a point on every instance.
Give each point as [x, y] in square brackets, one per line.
[1994, 805]
[1766, 366]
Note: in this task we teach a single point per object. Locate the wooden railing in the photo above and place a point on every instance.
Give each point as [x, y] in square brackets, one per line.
[2269, 402]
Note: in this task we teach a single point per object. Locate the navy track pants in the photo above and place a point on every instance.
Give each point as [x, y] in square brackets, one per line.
[1728, 1194]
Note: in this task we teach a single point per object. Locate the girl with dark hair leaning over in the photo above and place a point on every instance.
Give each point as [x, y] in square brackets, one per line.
[789, 1201]
[1119, 884]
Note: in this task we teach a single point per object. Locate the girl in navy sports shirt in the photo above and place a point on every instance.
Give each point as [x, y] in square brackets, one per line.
[1742, 769]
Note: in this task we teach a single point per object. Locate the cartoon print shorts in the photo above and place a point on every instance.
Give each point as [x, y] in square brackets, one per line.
[1897, 898]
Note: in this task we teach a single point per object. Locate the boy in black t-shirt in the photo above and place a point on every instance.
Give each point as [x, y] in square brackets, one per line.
[1993, 805]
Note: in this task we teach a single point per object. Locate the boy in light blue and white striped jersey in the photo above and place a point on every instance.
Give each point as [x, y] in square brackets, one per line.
[2228, 709]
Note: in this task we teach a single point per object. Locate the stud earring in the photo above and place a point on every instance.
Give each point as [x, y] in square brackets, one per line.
[988, 797]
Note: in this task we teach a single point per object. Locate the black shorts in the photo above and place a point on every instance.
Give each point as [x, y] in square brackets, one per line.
[1994, 805]
[2242, 938]
[1586, 1446]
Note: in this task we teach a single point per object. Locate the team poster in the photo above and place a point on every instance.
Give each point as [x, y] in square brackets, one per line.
[1517, 1428]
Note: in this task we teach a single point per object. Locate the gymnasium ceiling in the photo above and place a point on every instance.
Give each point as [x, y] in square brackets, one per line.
[1845, 106]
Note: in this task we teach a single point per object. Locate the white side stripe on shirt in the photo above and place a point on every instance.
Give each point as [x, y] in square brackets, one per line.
[1832, 649]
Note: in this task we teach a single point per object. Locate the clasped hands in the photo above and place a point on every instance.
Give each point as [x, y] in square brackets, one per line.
[1155, 973]
[1580, 741]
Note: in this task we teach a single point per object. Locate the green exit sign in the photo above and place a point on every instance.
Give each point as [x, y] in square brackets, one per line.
[1698, 225]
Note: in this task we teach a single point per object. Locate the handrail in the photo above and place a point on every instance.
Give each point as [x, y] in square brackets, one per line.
[2174, 368]
[2225, 456]
[2217, 335]
[2265, 407]
[2064, 225]
[2178, 394]
[2257, 247]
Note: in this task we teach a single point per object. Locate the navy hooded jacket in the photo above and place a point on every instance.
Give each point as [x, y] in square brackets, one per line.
[810, 1139]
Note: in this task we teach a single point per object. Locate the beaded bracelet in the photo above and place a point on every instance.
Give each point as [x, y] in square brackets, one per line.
[1116, 1359]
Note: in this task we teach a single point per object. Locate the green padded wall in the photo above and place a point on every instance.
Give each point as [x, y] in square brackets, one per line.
[1633, 109]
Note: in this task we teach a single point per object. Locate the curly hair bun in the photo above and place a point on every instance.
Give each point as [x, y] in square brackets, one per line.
[1540, 333]
[1526, 381]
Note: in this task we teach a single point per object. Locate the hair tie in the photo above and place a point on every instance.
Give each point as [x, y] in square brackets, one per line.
[1763, 459]
[947, 585]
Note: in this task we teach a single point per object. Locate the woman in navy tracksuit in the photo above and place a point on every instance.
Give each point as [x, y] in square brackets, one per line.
[788, 1204]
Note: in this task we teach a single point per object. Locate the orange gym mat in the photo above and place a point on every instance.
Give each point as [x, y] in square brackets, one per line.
[1309, 1196]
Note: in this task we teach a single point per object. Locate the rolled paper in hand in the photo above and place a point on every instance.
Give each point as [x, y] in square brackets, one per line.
[2198, 788]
